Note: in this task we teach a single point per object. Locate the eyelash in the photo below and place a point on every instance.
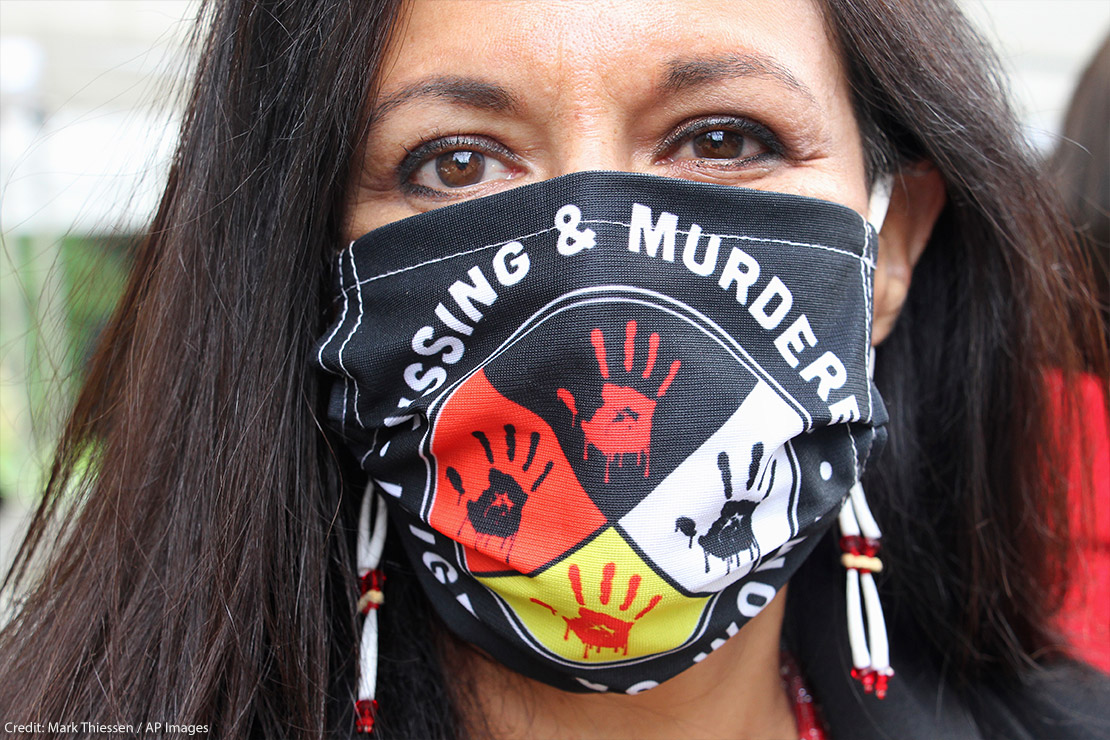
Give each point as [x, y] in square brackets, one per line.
[435, 144]
[745, 126]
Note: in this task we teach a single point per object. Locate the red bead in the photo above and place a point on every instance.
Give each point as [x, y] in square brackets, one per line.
[870, 547]
[881, 683]
[873, 681]
[372, 580]
[865, 676]
[806, 718]
[366, 710]
[370, 591]
[851, 544]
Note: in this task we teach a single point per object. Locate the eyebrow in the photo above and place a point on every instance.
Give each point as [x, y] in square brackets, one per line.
[687, 72]
[458, 90]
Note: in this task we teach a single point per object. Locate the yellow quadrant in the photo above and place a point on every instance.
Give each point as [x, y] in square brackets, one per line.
[602, 604]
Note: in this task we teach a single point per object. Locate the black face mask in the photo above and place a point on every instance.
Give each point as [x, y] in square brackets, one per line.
[612, 413]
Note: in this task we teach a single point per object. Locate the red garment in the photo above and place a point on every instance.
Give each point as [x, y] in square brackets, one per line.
[1085, 618]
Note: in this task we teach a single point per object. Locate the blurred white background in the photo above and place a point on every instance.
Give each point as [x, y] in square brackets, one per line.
[1044, 46]
[86, 111]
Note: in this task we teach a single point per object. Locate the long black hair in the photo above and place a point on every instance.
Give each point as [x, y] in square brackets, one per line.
[199, 576]
[195, 533]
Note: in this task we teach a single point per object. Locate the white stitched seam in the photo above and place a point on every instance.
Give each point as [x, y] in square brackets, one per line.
[342, 366]
[738, 237]
[855, 454]
[342, 317]
[868, 312]
[359, 283]
[358, 323]
[338, 326]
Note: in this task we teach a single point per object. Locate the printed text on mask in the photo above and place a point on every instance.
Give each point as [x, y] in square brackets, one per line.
[656, 238]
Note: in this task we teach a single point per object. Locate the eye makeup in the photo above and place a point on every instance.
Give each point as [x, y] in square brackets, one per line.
[489, 154]
[724, 128]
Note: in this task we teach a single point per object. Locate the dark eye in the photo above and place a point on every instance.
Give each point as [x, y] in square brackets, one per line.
[721, 144]
[718, 145]
[452, 164]
[459, 169]
[723, 140]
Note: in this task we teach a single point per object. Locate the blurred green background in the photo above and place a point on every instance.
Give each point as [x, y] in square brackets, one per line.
[55, 297]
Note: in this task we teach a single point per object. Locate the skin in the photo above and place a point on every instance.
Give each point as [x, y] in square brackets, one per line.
[752, 95]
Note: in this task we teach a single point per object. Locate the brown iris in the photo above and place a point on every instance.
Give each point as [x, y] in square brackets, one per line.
[459, 169]
[718, 144]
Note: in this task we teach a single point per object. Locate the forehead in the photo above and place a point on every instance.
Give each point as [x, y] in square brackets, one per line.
[613, 49]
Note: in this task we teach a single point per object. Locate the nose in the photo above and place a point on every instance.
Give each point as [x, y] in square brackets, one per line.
[591, 139]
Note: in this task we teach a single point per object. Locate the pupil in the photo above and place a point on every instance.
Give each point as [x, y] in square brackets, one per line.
[459, 169]
[718, 145]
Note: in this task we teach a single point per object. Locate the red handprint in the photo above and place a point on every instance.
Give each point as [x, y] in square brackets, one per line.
[597, 629]
[622, 424]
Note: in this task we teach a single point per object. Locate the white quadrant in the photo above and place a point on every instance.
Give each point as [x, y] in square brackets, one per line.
[675, 523]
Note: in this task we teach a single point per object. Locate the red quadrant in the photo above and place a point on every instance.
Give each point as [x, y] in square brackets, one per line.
[503, 487]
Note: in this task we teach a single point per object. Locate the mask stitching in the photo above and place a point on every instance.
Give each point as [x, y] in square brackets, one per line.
[342, 316]
[359, 283]
[868, 311]
[338, 326]
[342, 365]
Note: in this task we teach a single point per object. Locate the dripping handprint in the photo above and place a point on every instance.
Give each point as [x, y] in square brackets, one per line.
[497, 510]
[731, 534]
[622, 424]
[603, 629]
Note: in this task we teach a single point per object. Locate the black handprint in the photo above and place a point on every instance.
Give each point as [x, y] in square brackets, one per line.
[732, 533]
[498, 509]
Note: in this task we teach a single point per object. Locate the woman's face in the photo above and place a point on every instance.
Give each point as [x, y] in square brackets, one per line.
[476, 97]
